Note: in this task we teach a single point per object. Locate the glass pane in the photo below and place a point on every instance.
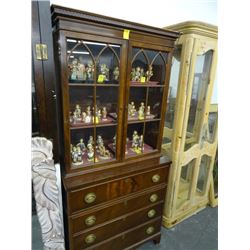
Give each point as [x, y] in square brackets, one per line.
[212, 120]
[154, 102]
[173, 86]
[151, 134]
[203, 174]
[185, 183]
[215, 175]
[198, 97]
[35, 117]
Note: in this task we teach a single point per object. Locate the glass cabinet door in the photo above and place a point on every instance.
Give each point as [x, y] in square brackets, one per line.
[145, 93]
[93, 86]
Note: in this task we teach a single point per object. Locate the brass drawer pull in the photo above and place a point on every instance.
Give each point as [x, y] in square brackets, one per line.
[156, 178]
[90, 198]
[89, 221]
[151, 213]
[90, 239]
[153, 198]
[150, 230]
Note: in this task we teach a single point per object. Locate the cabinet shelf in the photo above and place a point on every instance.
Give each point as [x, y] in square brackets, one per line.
[93, 85]
[146, 84]
[91, 125]
[141, 121]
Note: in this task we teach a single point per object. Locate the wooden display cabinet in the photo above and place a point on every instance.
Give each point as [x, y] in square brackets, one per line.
[113, 180]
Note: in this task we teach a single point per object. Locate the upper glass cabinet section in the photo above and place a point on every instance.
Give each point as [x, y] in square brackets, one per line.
[92, 62]
[93, 80]
[146, 88]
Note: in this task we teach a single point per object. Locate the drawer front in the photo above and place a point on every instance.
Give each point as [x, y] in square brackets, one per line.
[90, 219]
[88, 197]
[130, 238]
[122, 224]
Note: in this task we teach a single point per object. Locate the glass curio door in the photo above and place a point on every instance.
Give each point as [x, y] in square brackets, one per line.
[145, 96]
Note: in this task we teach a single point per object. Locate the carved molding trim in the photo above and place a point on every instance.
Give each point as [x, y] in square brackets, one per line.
[46, 193]
[83, 15]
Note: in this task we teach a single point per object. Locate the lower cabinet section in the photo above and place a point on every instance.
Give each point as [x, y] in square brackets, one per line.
[118, 214]
[126, 240]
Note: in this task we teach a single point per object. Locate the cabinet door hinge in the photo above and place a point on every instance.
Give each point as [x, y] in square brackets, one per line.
[41, 51]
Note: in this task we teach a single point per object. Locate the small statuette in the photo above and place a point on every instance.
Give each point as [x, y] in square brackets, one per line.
[78, 111]
[99, 141]
[81, 145]
[76, 155]
[141, 111]
[116, 73]
[84, 116]
[148, 111]
[91, 140]
[88, 117]
[131, 109]
[149, 73]
[90, 71]
[137, 74]
[141, 143]
[135, 140]
[103, 152]
[79, 155]
[132, 74]
[90, 152]
[97, 117]
[104, 114]
[104, 70]
[74, 68]
[75, 118]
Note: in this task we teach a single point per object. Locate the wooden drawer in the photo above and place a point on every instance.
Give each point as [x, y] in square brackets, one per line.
[88, 197]
[97, 216]
[129, 238]
[118, 226]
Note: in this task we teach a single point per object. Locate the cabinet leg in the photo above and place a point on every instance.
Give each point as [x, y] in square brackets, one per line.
[157, 239]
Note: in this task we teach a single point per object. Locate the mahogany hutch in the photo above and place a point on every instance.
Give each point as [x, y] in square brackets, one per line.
[113, 189]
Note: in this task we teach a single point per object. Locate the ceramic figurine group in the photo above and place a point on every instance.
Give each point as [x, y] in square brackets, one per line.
[141, 112]
[104, 73]
[80, 149]
[138, 74]
[79, 71]
[137, 143]
[87, 117]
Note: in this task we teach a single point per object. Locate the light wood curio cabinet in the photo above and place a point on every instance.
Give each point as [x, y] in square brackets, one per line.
[112, 86]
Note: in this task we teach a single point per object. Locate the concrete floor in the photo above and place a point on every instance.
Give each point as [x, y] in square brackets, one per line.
[200, 232]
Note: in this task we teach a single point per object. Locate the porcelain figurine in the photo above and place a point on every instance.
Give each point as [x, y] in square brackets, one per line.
[104, 113]
[131, 109]
[132, 74]
[116, 73]
[79, 155]
[104, 153]
[90, 71]
[141, 111]
[90, 152]
[78, 111]
[75, 118]
[141, 143]
[81, 145]
[99, 140]
[84, 116]
[135, 140]
[88, 117]
[148, 111]
[105, 71]
[91, 140]
[149, 73]
[74, 154]
[74, 68]
[142, 74]
[137, 74]
[81, 73]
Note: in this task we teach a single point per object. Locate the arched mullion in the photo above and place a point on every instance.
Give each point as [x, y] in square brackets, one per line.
[78, 44]
[91, 54]
[117, 57]
[143, 52]
[158, 54]
[100, 53]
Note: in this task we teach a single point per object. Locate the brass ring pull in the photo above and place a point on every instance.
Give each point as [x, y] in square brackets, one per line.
[150, 230]
[90, 198]
[153, 198]
[89, 221]
[151, 213]
[90, 239]
[156, 178]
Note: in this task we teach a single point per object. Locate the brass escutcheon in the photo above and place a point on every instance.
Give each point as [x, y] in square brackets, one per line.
[90, 197]
[151, 213]
[89, 221]
[156, 178]
[153, 198]
[90, 238]
[150, 230]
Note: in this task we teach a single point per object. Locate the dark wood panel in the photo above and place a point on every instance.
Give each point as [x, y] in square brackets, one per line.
[118, 209]
[115, 189]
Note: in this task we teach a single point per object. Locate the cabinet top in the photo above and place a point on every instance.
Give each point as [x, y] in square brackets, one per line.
[63, 12]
